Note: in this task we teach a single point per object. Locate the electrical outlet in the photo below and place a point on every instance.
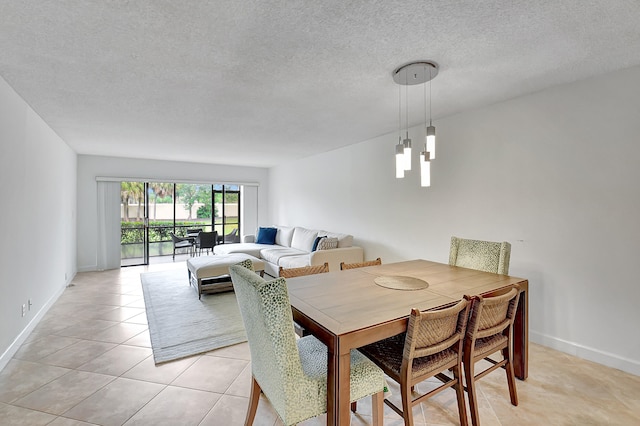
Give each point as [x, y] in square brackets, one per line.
[65, 277]
[29, 304]
[24, 309]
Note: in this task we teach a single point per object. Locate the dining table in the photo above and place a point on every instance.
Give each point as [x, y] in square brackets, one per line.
[352, 308]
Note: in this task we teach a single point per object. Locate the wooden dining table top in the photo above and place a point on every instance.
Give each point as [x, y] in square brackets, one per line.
[349, 309]
[346, 301]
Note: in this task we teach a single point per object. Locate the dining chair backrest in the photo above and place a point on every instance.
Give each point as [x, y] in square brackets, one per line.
[304, 270]
[490, 331]
[431, 345]
[484, 256]
[431, 332]
[266, 313]
[296, 393]
[345, 266]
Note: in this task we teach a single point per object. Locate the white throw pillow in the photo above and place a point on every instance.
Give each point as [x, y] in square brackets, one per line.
[284, 236]
[303, 239]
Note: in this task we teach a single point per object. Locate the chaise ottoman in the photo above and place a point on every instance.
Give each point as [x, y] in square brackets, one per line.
[211, 273]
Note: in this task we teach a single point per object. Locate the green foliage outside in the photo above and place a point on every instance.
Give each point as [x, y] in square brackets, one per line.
[132, 232]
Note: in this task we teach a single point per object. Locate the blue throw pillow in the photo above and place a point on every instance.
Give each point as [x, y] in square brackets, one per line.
[315, 243]
[266, 236]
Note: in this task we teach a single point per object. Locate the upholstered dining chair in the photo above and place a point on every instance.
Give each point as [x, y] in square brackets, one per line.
[431, 345]
[304, 270]
[180, 242]
[206, 241]
[484, 256]
[345, 266]
[292, 373]
[489, 331]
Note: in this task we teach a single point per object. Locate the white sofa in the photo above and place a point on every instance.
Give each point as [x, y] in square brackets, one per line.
[293, 248]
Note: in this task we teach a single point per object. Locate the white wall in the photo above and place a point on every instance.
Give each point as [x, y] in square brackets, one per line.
[38, 217]
[90, 167]
[555, 173]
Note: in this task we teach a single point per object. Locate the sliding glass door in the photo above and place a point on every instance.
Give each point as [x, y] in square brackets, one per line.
[134, 248]
[152, 211]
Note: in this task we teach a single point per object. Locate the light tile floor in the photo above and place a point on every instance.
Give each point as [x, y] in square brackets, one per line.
[89, 361]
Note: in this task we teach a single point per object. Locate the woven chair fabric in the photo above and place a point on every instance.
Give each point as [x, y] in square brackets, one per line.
[489, 345]
[304, 270]
[345, 266]
[388, 354]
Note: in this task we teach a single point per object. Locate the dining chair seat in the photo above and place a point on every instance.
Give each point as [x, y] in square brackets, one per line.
[390, 354]
[431, 346]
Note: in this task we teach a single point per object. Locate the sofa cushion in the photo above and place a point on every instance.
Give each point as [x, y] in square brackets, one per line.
[284, 236]
[275, 253]
[249, 248]
[327, 243]
[294, 261]
[266, 236]
[344, 240]
[303, 239]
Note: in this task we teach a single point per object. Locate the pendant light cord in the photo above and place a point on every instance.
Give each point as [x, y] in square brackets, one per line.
[406, 99]
[430, 78]
[399, 113]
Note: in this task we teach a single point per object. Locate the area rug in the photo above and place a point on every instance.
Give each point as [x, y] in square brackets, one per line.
[180, 325]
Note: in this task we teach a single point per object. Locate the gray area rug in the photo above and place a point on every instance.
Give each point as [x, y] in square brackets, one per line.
[180, 325]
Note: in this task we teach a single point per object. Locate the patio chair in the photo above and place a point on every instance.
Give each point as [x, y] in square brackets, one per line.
[205, 240]
[232, 237]
[484, 256]
[489, 331]
[193, 232]
[179, 243]
[290, 372]
[431, 346]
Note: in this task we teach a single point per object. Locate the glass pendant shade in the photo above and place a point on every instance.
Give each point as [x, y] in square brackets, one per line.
[425, 169]
[407, 153]
[431, 141]
[400, 160]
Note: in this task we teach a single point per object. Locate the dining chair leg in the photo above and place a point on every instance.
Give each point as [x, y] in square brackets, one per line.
[407, 408]
[511, 380]
[377, 408]
[462, 409]
[253, 402]
[471, 390]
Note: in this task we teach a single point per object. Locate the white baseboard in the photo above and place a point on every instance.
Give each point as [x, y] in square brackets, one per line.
[601, 357]
[22, 337]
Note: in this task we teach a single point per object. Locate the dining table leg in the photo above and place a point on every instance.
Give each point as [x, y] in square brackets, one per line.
[521, 337]
[338, 384]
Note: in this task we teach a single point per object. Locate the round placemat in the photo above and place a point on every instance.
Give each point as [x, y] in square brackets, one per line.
[399, 282]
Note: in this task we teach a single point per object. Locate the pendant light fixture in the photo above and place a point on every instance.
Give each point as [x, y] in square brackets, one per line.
[399, 146]
[418, 72]
[406, 143]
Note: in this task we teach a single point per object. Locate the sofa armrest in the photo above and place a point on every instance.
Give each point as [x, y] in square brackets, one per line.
[335, 256]
[249, 239]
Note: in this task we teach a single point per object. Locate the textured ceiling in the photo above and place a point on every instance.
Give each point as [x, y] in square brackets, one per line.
[255, 82]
